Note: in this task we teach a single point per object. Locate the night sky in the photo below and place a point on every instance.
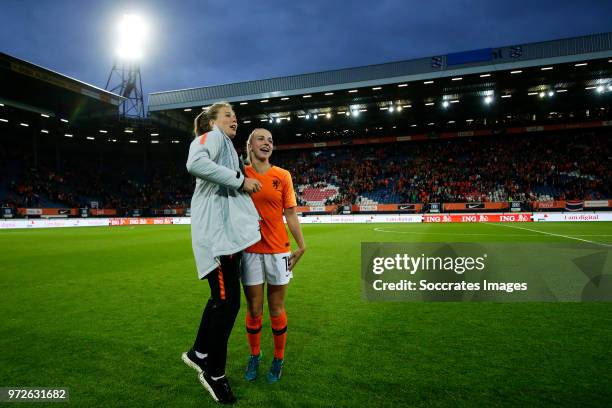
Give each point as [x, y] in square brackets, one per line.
[199, 43]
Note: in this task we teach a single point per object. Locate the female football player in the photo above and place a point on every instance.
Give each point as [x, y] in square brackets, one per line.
[223, 223]
[270, 260]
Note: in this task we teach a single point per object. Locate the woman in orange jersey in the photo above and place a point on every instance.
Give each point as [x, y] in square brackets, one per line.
[271, 259]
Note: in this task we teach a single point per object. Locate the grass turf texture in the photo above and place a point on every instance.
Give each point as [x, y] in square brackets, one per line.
[108, 311]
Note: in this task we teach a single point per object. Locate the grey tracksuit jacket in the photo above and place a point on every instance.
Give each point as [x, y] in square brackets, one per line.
[224, 220]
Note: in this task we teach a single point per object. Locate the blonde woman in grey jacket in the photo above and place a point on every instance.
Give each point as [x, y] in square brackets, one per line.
[224, 221]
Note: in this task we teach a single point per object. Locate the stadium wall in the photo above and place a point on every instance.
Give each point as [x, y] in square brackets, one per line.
[323, 219]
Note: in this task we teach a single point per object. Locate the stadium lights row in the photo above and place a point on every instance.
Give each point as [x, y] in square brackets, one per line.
[24, 124]
[403, 85]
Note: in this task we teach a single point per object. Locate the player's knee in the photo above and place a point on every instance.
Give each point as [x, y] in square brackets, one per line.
[255, 310]
[227, 305]
[233, 304]
[276, 310]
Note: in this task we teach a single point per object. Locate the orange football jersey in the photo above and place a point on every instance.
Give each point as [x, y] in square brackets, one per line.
[275, 195]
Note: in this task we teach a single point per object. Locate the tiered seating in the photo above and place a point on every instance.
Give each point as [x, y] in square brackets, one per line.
[318, 195]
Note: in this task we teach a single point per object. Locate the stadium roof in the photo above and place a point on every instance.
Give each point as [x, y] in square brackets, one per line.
[489, 60]
[568, 81]
[29, 87]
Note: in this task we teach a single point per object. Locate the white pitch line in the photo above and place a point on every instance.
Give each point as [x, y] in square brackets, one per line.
[551, 234]
[378, 229]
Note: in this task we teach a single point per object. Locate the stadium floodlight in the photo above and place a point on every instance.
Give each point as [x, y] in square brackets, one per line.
[518, 71]
[278, 120]
[581, 64]
[600, 89]
[610, 87]
[133, 141]
[154, 134]
[91, 138]
[102, 131]
[308, 116]
[154, 141]
[306, 96]
[546, 68]
[132, 35]
[355, 112]
[391, 108]
[488, 100]
[328, 115]
[353, 91]
[541, 94]
[329, 93]
[24, 124]
[264, 101]
[399, 108]
[561, 90]
[286, 98]
[377, 88]
[44, 115]
[67, 135]
[485, 75]
[429, 104]
[188, 109]
[551, 94]
[64, 120]
[457, 79]
[1, 104]
[3, 120]
[402, 85]
[44, 131]
[270, 120]
[445, 104]
[428, 82]
[244, 103]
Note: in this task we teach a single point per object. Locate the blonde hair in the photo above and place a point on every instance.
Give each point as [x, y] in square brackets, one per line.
[248, 159]
[201, 124]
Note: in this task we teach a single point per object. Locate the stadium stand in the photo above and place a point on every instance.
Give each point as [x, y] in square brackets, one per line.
[538, 167]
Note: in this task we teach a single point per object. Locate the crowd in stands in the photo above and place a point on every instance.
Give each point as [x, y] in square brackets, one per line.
[493, 168]
[500, 168]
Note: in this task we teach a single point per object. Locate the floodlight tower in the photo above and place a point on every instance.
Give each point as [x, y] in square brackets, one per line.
[126, 69]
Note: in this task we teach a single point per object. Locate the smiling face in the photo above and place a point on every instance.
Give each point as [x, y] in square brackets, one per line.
[261, 145]
[226, 121]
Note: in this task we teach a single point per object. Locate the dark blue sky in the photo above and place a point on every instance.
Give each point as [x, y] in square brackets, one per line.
[198, 43]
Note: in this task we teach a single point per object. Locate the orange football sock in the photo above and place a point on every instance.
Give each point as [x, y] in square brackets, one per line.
[279, 329]
[253, 327]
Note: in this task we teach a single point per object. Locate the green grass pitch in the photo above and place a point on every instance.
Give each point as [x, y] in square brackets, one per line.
[107, 312]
